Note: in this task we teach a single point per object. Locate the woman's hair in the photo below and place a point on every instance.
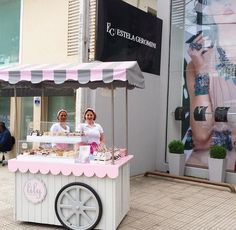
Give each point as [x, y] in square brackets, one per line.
[90, 110]
[60, 111]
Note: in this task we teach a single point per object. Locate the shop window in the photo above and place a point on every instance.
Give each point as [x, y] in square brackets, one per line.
[178, 96]
[26, 116]
[5, 110]
[200, 31]
[10, 30]
[73, 27]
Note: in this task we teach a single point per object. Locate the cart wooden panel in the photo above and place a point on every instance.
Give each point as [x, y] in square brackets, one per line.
[113, 192]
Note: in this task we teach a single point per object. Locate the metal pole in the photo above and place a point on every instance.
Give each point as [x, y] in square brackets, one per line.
[16, 112]
[113, 122]
[126, 114]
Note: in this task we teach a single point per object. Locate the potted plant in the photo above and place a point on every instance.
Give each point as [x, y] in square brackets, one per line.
[217, 163]
[176, 157]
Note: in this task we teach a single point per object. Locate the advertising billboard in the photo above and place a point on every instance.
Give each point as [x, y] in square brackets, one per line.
[210, 80]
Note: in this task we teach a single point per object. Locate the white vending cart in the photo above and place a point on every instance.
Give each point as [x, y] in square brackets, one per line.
[77, 196]
[57, 190]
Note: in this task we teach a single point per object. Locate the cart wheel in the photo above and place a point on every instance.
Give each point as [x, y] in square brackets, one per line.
[78, 206]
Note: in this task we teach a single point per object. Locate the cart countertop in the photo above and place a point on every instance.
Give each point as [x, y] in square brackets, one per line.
[66, 166]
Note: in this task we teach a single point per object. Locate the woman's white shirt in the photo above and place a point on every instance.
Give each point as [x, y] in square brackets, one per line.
[92, 133]
[58, 128]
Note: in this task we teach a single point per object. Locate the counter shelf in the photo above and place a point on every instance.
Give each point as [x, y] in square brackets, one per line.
[47, 146]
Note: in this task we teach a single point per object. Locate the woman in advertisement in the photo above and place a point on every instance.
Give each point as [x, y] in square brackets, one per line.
[211, 79]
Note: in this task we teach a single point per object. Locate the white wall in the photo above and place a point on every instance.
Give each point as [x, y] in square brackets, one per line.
[163, 99]
[44, 29]
[143, 125]
[143, 113]
[146, 112]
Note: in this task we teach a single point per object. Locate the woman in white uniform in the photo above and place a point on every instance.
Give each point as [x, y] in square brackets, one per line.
[93, 131]
[60, 127]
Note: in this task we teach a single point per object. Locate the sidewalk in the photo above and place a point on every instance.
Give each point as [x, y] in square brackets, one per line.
[156, 204]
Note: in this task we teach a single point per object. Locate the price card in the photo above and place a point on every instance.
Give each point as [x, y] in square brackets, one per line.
[84, 152]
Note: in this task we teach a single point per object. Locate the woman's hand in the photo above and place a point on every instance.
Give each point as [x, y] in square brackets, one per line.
[101, 147]
[201, 56]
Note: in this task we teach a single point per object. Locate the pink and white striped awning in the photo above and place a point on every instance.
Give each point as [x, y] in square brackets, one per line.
[93, 74]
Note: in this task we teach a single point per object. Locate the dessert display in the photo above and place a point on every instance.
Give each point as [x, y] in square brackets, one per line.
[51, 152]
[102, 154]
[56, 137]
[49, 133]
[62, 144]
[36, 133]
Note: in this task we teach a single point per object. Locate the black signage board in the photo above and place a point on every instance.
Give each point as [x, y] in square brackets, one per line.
[125, 33]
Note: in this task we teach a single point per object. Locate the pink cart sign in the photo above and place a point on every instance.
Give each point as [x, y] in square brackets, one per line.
[35, 190]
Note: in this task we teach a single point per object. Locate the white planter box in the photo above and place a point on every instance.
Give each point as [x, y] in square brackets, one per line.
[217, 169]
[176, 164]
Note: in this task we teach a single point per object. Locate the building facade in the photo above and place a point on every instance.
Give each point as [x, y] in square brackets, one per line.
[42, 31]
[61, 32]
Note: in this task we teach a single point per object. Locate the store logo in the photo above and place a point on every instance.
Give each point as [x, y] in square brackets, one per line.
[121, 33]
[35, 190]
[110, 30]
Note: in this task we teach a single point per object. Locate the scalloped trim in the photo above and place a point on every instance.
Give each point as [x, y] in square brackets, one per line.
[67, 168]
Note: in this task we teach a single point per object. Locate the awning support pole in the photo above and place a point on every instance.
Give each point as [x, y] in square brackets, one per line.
[16, 117]
[113, 122]
[127, 122]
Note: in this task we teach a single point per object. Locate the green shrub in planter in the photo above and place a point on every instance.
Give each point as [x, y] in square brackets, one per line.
[217, 152]
[176, 146]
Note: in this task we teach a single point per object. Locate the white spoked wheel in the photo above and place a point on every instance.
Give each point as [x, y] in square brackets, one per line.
[78, 206]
